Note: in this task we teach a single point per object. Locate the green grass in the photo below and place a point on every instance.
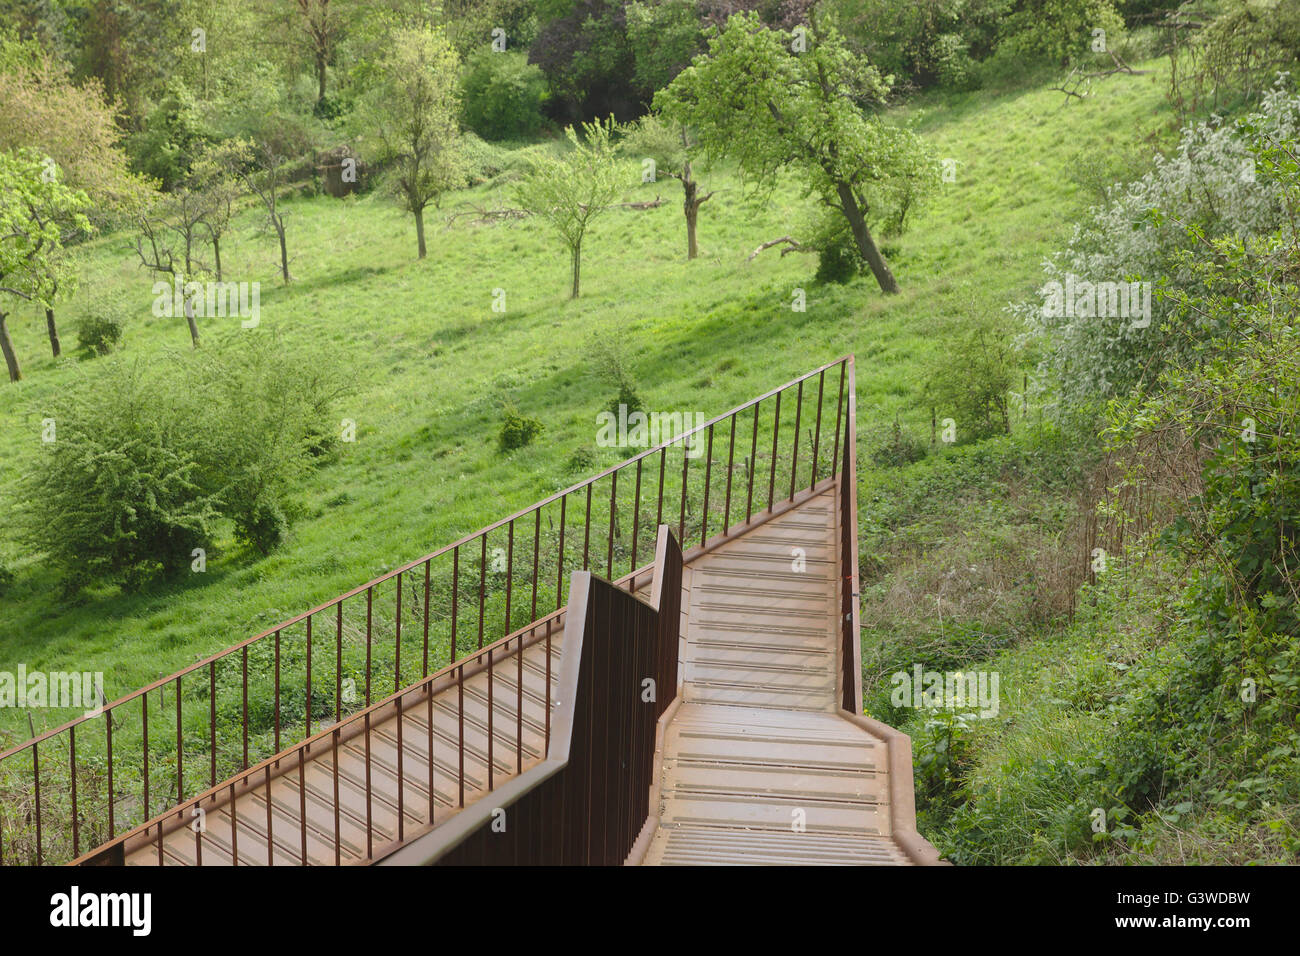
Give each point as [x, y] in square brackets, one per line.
[433, 364]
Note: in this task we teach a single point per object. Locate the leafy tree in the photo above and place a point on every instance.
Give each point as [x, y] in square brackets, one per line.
[214, 177]
[571, 191]
[32, 204]
[321, 24]
[772, 100]
[265, 179]
[671, 146]
[502, 95]
[74, 125]
[584, 51]
[172, 132]
[1060, 29]
[411, 112]
[664, 35]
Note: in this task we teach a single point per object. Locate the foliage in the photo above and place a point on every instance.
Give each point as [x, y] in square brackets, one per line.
[99, 331]
[502, 95]
[148, 458]
[759, 97]
[1060, 30]
[664, 36]
[171, 134]
[923, 44]
[838, 259]
[583, 49]
[1141, 234]
[74, 125]
[517, 429]
[971, 381]
[36, 209]
[569, 192]
[411, 112]
[1235, 57]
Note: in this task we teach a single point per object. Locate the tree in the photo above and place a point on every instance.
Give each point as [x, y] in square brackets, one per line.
[322, 26]
[32, 201]
[412, 111]
[671, 146]
[772, 100]
[265, 180]
[569, 192]
[214, 177]
[74, 126]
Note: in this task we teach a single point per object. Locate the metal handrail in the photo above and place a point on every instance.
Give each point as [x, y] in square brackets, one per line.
[788, 452]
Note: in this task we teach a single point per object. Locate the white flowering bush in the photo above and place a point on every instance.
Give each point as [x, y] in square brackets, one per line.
[1207, 188]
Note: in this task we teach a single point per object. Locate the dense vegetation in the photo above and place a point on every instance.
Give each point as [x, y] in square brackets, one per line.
[1103, 512]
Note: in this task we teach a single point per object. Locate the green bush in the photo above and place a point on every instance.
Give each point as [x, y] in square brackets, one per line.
[502, 95]
[100, 332]
[838, 259]
[971, 381]
[149, 459]
[612, 367]
[517, 430]
[899, 447]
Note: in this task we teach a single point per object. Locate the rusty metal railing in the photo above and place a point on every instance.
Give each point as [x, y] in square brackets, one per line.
[588, 801]
[850, 642]
[181, 738]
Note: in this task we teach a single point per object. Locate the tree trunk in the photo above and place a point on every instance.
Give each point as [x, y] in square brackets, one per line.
[862, 236]
[7, 347]
[320, 78]
[53, 330]
[189, 318]
[419, 232]
[216, 255]
[577, 268]
[284, 252]
[692, 208]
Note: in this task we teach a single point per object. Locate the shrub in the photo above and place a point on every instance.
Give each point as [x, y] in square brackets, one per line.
[502, 95]
[517, 430]
[149, 459]
[1208, 188]
[837, 253]
[100, 332]
[971, 381]
[612, 367]
[899, 447]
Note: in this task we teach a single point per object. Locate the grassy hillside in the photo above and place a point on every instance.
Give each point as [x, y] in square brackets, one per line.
[433, 364]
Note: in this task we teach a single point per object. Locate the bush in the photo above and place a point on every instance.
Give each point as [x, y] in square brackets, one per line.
[898, 448]
[1059, 30]
[1208, 188]
[971, 381]
[517, 430]
[612, 367]
[100, 332]
[502, 95]
[148, 460]
[838, 259]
